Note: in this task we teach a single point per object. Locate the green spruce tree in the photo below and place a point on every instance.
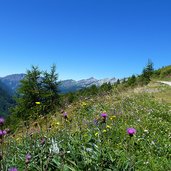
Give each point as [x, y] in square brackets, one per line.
[147, 72]
[38, 94]
[50, 95]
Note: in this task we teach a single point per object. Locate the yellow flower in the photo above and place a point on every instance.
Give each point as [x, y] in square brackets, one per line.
[104, 130]
[108, 126]
[112, 117]
[38, 103]
[84, 104]
[55, 123]
[96, 134]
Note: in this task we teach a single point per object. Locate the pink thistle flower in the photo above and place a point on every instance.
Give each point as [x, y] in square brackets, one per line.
[104, 115]
[12, 169]
[131, 131]
[4, 132]
[2, 120]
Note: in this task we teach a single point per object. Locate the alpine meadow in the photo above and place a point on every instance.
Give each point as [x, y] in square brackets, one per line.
[123, 126]
[85, 85]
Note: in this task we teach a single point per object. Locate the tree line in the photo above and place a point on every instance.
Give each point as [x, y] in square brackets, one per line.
[38, 94]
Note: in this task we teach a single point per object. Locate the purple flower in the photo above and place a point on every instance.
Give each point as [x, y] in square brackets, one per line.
[12, 169]
[65, 115]
[2, 120]
[4, 132]
[131, 131]
[104, 115]
[96, 121]
[28, 156]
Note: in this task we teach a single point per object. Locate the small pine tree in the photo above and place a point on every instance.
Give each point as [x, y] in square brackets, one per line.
[37, 94]
[118, 81]
[147, 72]
[50, 96]
[131, 81]
[28, 93]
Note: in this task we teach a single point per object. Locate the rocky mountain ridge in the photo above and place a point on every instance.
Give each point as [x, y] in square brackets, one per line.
[12, 82]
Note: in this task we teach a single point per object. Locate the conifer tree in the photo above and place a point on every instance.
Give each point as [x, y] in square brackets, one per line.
[50, 97]
[147, 72]
[37, 94]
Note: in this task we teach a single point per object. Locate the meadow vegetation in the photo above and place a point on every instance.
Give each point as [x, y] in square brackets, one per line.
[119, 127]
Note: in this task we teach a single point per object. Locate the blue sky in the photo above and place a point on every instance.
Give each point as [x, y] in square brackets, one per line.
[84, 38]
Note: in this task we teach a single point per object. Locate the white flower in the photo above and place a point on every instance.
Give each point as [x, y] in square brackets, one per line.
[146, 131]
[89, 149]
[152, 142]
[54, 147]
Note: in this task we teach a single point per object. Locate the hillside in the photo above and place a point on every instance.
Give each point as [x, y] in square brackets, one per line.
[93, 133]
[163, 73]
[12, 81]
[5, 100]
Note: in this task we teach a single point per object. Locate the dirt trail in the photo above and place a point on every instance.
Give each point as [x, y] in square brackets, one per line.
[165, 82]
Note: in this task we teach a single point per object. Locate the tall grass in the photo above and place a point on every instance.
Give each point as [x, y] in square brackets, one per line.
[85, 141]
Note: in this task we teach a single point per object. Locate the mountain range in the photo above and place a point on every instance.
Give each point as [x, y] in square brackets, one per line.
[13, 81]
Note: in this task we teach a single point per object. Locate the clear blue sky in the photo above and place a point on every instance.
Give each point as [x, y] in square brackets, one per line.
[84, 38]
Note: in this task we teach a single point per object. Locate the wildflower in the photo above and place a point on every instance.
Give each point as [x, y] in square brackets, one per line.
[2, 120]
[131, 131]
[1, 133]
[57, 123]
[4, 132]
[108, 126]
[152, 142]
[12, 169]
[89, 149]
[38, 103]
[84, 104]
[96, 134]
[65, 115]
[54, 147]
[28, 158]
[104, 115]
[104, 130]
[96, 121]
[112, 117]
[146, 131]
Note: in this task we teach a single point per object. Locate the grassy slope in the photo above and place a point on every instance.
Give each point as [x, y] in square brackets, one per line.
[163, 73]
[164, 94]
[85, 145]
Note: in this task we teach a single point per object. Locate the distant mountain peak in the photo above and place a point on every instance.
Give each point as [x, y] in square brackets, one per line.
[70, 85]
